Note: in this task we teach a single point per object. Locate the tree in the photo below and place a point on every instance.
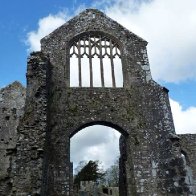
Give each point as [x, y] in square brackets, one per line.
[79, 167]
[89, 172]
[112, 175]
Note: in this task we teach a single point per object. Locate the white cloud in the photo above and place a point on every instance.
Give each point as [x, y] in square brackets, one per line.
[48, 24]
[45, 26]
[184, 120]
[170, 28]
[95, 143]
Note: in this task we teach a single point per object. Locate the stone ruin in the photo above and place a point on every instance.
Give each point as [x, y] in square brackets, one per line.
[36, 124]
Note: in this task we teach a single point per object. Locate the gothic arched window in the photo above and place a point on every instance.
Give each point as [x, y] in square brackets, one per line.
[95, 61]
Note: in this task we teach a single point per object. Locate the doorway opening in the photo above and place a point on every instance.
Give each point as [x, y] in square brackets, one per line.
[97, 144]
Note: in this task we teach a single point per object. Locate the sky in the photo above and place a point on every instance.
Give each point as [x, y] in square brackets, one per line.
[169, 26]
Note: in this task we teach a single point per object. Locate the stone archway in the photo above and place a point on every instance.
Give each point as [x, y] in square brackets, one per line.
[121, 146]
[61, 166]
[104, 123]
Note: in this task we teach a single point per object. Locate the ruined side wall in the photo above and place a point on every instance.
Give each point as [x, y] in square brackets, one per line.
[32, 130]
[188, 147]
[12, 99]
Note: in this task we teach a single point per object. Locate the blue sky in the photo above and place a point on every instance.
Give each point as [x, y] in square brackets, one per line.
[19, 17]
[168, 25]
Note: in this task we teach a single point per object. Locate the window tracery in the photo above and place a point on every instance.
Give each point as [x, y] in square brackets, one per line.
[92, 58]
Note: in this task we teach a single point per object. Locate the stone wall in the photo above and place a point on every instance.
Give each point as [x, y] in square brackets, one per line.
[188, 149]
[12, 100]
[28, 174]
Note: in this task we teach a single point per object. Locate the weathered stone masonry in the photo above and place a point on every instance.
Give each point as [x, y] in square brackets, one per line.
[12, 100]
[154, 160]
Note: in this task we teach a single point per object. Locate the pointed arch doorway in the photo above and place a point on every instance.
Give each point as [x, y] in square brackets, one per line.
[99, 144]
[101, 141]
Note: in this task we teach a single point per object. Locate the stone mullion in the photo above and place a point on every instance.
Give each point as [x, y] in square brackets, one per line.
[101, 64]
[90, 63]
[112, 66]
[79, 64]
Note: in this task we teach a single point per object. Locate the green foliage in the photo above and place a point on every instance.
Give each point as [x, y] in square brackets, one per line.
[89, 172]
